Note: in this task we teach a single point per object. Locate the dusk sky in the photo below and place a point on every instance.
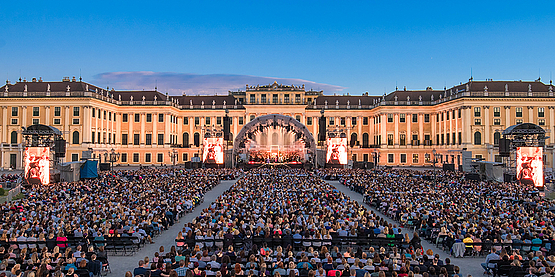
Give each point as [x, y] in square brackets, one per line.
[207, 47]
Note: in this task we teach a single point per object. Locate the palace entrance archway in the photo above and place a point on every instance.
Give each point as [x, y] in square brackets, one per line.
[274, 139]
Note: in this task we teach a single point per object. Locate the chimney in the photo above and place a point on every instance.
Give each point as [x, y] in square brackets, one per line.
[34, 80]
[65, 79]
[40, 79]
[73, 79]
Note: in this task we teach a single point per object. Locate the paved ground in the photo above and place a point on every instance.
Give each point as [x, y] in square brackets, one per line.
[121, 264]
[468, 265]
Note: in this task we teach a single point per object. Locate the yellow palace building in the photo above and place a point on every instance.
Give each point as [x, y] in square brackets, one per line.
[400, 128]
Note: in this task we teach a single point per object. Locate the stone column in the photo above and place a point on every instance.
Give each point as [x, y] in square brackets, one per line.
[143, 123]
[487, 131]
[155, 129]
[396, 132]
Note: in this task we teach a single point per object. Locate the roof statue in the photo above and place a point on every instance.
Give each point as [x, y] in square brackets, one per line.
[177, 101]
[67, 88]
[224, 103]
[131, 98]
[25, 88]
[6, 88]
[155, 97]
[87, 87]
[48, 88]
[550, 88]
[213, 102]
[202, 103]
[235, 101]
[432, 97]
[420, 98]
[485, 88]
[119, 97]
[395, 98]
[358, 100]
[529, 87]
[348, 102]
[408, 98]
[326, 102]
[143, 98]
[191, 102]
[506, 87]
[337, 102]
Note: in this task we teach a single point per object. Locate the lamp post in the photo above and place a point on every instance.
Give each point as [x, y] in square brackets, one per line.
[112, 156]
[434, 163]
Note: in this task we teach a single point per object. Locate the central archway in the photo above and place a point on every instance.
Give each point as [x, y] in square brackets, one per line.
[255, 136]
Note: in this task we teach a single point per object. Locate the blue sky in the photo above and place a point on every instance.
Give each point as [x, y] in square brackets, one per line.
[340, 47]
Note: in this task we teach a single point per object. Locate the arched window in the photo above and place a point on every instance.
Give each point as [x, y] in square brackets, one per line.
[14, 137]
[252, 117]
[186, 140]
[354, 139]
[477, 138]
[75, 137]
[230, 136]
[365, 143]
[496, 137]
[196, 139]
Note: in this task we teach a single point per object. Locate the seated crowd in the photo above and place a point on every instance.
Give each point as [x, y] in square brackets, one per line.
[68, 225]
[288, 205]
[466, 217]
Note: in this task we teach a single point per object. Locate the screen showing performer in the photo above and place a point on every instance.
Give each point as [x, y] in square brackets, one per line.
[37, 165]
[529, 165]
[337, 151]
[213, 151]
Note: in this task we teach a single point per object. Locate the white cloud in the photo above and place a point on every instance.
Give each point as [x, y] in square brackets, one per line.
[178, 83]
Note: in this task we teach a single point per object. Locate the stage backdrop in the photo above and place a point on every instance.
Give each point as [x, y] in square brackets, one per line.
[213, 151]
[37, 165]
[337, 151]
[529, 165]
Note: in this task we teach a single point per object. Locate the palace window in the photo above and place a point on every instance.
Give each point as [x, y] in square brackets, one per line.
[390, 158]
[263, 98]
[75, 111]
[403, 158]
[426, 117]
[286, 98]
[402, 139]
[389, 139]
[389, 118]
[15, 111]
[414, 118]
[541, 112]
[477, 121]
[309, 120]
[496, 111]
[414, 158]
[541, 122]
[402, 118]
[35, 111]
[148, 117]
[496, 121]
[252, 98]
[518, 112]
[477, 111]
[137, 117]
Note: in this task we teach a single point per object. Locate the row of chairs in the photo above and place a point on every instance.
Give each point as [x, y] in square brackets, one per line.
[341, 242]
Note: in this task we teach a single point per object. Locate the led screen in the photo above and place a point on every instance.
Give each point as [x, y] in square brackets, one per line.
[337, 151]
[529, 165]
[213, 151]
[37, 165]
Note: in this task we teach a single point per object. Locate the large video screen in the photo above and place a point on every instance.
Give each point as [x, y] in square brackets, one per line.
[37, 165]
[337, 151]
[213, 151]
[529, 165]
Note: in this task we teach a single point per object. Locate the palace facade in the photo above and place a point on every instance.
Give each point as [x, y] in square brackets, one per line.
[403, 127]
